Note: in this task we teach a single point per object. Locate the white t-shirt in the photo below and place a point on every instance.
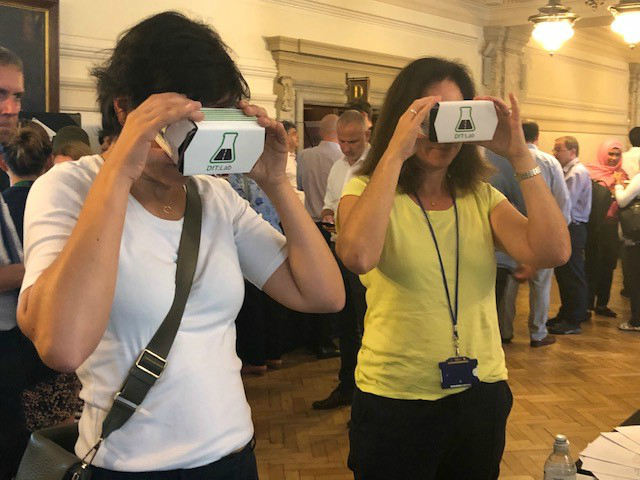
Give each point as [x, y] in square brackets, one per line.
[196, 413]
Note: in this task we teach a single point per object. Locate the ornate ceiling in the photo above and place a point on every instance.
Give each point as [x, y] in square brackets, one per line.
[593, 27]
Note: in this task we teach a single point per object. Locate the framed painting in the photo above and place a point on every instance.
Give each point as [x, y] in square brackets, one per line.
[30, 28]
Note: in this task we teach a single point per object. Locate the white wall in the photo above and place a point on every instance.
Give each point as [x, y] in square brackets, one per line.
[88, 27]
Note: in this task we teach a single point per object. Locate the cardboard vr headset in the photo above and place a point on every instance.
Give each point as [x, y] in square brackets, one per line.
[225, 141]
[463, 121]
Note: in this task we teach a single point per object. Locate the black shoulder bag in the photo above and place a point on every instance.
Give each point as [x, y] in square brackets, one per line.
[49, 454]
[629, 217]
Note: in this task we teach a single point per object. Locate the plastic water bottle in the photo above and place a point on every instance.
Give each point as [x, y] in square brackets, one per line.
[559, 465]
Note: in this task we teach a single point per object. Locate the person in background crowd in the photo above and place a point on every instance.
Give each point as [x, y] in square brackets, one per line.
[571, 277]
[603, 244]
[70, 143]
[17, 353]
[105, 141]
[11, 93]
[631, 257]
[420, 227]
[353, 136]
[631, 158]
[55, 399]
[314, 165]
[539, 279]
[109, 226]
[504, 180]
[292, 165]
[260, 320]
[365, 110]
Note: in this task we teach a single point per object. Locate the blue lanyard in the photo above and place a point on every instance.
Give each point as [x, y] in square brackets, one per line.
[453, 311]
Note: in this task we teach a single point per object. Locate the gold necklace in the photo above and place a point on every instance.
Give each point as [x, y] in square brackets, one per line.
[166, 208]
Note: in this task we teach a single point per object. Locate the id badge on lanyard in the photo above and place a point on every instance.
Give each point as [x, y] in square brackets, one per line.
[458, 371]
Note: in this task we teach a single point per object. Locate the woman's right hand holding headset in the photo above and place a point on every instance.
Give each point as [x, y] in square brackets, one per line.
[135, 143]
[409, 127]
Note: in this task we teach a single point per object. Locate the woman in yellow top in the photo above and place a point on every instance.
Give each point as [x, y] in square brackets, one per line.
[420, 228]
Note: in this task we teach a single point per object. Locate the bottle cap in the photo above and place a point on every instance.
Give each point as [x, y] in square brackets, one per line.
[561, 444]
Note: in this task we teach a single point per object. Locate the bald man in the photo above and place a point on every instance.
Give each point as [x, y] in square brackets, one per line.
[314, 165]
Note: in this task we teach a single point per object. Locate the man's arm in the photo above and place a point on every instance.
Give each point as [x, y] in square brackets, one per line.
[11, 276]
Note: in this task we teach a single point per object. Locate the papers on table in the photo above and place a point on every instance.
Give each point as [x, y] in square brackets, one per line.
[614, 455]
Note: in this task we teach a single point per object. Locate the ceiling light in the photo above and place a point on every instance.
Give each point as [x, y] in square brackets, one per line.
[553, 25]
[627, 21]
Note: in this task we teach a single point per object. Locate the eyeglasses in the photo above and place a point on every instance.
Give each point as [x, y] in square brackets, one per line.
[615, 154]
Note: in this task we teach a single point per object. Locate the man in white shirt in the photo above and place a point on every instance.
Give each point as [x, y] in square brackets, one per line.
[631, 158]
[292, 166]
[314, 165]
[353, 135]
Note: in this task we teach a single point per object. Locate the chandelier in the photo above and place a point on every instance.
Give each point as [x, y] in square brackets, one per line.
[553, 25]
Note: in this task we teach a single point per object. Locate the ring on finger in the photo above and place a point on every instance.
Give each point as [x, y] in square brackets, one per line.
[415, 112]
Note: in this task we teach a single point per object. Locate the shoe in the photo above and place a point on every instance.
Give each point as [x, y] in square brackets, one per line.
[248, 369]
[624, 293]
[605, 312]
[548, 340]
[337, 398]
[327, 352]
[627, 327]
[274, 364]
[554, 321]
[506, 341]
[587, 316]
[565, 328]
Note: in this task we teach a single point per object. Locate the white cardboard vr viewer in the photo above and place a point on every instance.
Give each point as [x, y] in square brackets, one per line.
[462, 121]
[226, 141]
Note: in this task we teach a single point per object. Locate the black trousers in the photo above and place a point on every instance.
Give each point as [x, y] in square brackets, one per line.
[320, 326]
[258, 326]
[461, 436]
[237, 466]
[572, 280]
[20, 367]
[502, 274]
[350, 327]
[601, 258]
[631, 259]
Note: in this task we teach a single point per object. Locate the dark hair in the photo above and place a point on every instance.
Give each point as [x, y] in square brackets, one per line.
[7, 57]
[26, 152]
[531, 131]
[288, 125]
[168, 53]
[468, 167]
[74, 149]
[362, 106]
[634, 136]
[570, 143]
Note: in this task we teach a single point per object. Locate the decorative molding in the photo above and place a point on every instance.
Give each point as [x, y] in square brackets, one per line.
[363, 17]
[564, 104]
[588, 64]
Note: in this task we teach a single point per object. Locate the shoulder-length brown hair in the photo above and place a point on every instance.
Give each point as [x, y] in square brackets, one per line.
[468, 168]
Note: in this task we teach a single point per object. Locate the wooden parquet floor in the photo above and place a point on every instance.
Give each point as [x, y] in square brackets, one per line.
[582, 385]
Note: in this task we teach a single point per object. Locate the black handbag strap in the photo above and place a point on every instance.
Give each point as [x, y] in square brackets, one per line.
[152, 361]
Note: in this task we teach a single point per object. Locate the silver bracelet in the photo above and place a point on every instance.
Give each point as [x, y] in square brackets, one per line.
[528, 174]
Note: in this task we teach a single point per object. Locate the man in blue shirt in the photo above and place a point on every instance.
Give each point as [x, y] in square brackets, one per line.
[571, 277]
[539, 280]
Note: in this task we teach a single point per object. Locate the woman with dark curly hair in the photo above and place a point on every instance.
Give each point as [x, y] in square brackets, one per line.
[420, 227]
[101, 241]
